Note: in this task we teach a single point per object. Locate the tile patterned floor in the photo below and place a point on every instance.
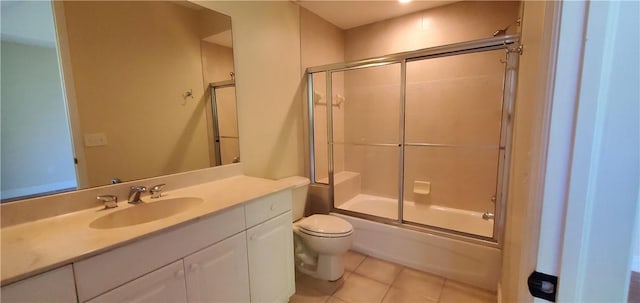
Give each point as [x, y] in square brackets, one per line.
[371, 280]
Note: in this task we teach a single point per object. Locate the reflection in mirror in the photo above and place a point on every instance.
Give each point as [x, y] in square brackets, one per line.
[225, 125]
[135, 101]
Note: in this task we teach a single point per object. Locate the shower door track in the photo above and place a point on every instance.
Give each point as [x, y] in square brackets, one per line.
[474, 46]
[510, 43]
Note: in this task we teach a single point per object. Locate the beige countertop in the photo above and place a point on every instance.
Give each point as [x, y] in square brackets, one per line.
[38, 246]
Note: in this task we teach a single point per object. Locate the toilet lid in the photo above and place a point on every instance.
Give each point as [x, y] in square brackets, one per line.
[325, 225]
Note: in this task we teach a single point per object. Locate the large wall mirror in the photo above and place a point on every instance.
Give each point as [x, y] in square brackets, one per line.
[95, 92]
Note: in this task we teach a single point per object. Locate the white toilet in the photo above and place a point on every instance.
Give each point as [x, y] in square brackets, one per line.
[320, 240]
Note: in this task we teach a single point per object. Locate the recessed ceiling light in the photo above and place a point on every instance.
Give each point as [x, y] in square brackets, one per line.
[404, 1]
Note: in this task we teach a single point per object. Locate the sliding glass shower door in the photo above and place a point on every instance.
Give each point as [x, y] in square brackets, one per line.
[367, 139]
[418, 139]
[454, 119]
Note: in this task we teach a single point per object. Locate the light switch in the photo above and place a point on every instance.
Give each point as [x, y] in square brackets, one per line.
[96, 139]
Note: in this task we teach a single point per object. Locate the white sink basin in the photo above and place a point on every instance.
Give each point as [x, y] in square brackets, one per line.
[145, 212]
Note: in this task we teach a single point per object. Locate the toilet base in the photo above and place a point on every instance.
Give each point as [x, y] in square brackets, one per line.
[327, 267]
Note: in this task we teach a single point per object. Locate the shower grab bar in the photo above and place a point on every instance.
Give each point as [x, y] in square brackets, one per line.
[496, 147]
[369, 144]
[490, 147]
[229, 137]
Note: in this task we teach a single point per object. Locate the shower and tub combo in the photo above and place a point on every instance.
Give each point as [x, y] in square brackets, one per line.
[413, 148]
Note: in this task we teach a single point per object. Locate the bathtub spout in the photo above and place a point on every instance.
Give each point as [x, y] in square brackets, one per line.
[488, 216]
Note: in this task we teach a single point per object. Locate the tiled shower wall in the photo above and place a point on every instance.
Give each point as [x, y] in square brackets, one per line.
[452, 100]
[468, 115]
[323, 43]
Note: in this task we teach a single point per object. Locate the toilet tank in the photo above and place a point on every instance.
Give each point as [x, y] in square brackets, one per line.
[299, 195]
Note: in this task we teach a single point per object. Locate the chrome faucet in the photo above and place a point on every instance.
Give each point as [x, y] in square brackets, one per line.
[156, 191]
[488, 216]
[134, 194]
[110, 201]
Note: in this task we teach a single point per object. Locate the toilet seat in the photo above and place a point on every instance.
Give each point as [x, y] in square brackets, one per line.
[325, 226]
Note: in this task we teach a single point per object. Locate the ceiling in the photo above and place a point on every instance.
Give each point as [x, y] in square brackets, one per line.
[222, 38]
[350, 14]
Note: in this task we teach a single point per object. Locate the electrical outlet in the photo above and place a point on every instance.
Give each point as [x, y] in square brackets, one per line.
[96, 139]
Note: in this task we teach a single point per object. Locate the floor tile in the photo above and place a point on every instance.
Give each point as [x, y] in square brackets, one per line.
[379, 270]
[346, 275]
[454, 292]
[423, 284]
[397, 295]
[335, 300]
[308, 295]
[361, 289]
[324, 287]
[352, 259]
[366, 283]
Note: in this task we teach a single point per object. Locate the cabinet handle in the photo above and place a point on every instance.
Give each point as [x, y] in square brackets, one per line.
[179, 274]
[194, 267]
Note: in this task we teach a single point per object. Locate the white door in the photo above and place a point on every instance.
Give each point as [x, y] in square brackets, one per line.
[589, 246]
[270, 247]
[220, 272]
[163, 285]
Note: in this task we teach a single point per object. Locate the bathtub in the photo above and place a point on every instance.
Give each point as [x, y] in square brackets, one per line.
[462, 261]
[470, 222]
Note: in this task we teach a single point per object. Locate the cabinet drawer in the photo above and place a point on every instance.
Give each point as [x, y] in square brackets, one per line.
[106, 271]
[265, 208]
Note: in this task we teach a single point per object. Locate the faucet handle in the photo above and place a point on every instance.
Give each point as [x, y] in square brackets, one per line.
[156, 190]
[138, 189]
[110, 201]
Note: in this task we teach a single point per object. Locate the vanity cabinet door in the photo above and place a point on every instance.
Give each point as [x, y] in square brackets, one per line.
[53, 286]
[163, 285]
[270, 248]
[219, 273]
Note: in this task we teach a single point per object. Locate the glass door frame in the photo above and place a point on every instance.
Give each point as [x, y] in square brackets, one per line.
[217, 137]
[512, 47]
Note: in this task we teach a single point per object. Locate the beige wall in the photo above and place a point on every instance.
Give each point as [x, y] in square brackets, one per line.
[129, 83]
[212, 22]
[266, 43]
[217, 62]
[451, 100]
[526, 173]
[457, 22]
[323, 43]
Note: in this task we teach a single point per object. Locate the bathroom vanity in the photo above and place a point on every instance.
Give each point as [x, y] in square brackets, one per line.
[233, 246]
